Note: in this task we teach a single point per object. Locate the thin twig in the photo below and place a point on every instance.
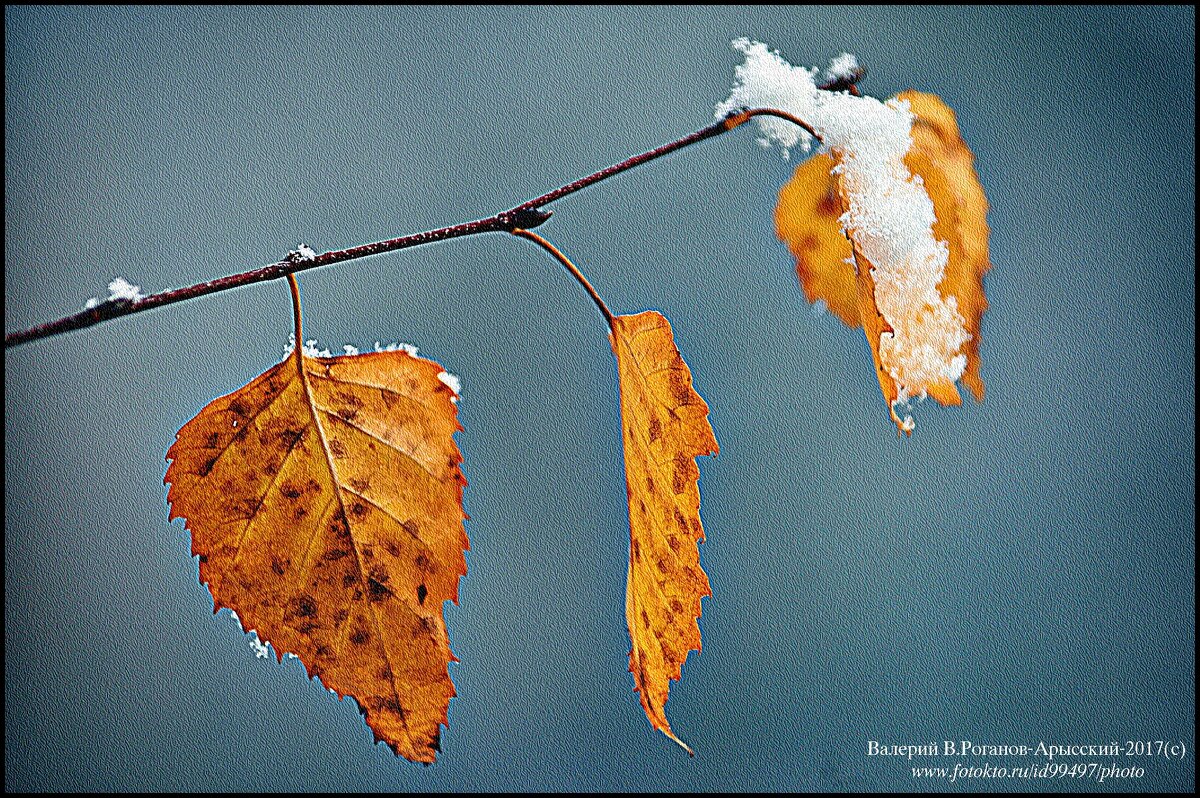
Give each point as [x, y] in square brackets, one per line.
[572, 268]
[524, 216]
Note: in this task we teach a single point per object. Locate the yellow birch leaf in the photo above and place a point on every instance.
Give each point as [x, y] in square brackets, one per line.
[324, 500]
[665, 428]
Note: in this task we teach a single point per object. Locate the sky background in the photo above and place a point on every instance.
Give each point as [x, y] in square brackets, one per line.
[1018, 571]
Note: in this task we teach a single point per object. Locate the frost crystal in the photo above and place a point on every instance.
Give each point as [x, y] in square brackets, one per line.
[890, 215]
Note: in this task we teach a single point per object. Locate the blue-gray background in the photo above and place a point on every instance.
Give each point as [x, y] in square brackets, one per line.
[1020, 570]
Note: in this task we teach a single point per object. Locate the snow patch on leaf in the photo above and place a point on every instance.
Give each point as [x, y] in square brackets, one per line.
[453, 382]
[889, 213]
[261, 648]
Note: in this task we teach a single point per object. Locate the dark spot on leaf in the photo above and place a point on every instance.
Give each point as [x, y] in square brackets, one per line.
[360, 637]
[421, 593]
[680, 388]
[338, 525]
[655, 430]
[302, 606]
[645, 619]
[348, 580]
[358, 509]
[335, 554]
[348, 399]
[277, 566]
[337, 448]
[288, 438]
[829, 204]
[679, 481]
[392, 548]
[212, 441]
[289, 490]
[376, 591]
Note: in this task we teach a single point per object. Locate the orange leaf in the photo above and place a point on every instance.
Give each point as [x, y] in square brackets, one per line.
[665, 427]
[807, 220]
[326, 510]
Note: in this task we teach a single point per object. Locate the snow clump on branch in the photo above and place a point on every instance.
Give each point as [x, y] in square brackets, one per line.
[889, 216]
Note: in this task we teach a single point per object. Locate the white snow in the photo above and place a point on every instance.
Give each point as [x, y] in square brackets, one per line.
[396, 347]
[844, 66]
[261, 648]
[302, 253]
[890, 215]
[765, 80]
[453, 382]
[120, 288]
[310, 348]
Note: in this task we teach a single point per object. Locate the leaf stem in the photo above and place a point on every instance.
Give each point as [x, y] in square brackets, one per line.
[294, 285]
[526, 215]
[572, 268]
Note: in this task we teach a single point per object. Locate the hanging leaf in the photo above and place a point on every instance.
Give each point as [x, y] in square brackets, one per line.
[326, 509]
[665, 427]
[807, 220]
